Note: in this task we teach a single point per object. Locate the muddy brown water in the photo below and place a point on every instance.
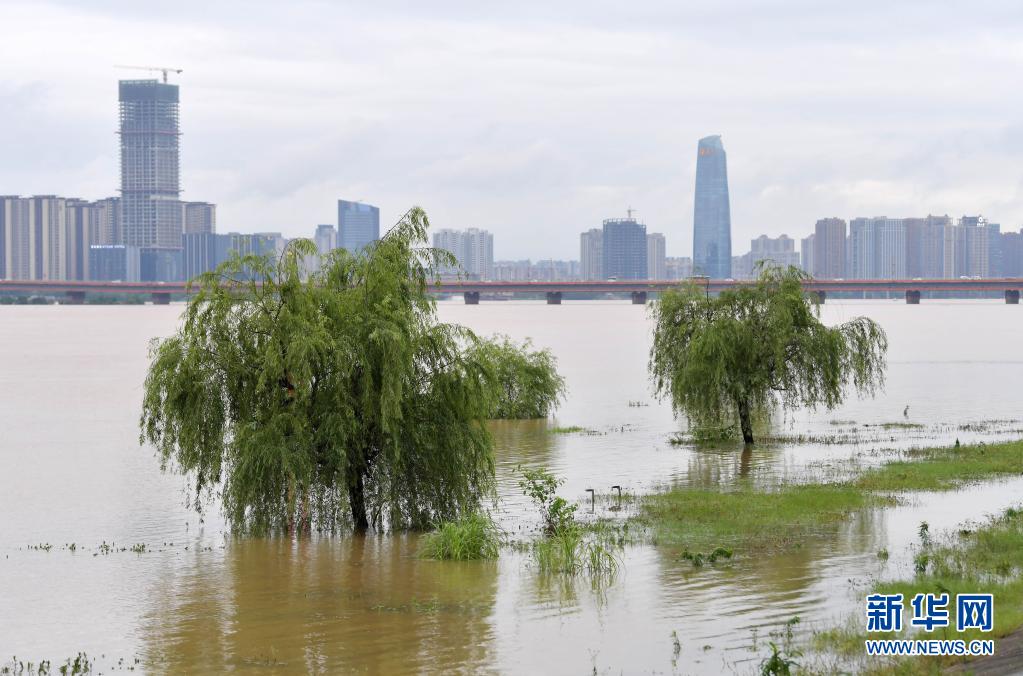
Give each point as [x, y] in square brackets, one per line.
[201, 600]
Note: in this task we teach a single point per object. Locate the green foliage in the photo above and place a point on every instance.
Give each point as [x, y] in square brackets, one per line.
[726, 358]
[474, 536]
[541, 487]
[528, 384]
[325, 399]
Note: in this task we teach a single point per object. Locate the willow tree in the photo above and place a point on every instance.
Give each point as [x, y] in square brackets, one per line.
[728, 358]
[319, 399]
[527, 381]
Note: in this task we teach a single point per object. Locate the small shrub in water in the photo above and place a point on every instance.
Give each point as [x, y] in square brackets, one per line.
[472, 537]
[541, 487]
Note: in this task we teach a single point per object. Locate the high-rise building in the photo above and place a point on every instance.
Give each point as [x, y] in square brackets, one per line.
[150, 169]
[925, 246]
[325, 238]
[15, 245]
[109, 230]
[1012, 254]
[806, 253]
[678, 267]
[358, 225]
[199, 216]
[712, 221]
[772, 251]
[203, 252]
[83, 230]
[829, 249]
[877, 248]
[591, 255]
[624, 249]
[472, 248]
[655, 258]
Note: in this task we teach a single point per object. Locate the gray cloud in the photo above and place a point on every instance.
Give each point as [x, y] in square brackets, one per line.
[534, 119]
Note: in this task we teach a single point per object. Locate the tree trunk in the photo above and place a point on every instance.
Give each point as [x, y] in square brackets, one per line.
[745, 421]
[357, 501]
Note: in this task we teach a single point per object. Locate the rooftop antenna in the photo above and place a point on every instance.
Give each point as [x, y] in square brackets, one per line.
[630, 211]
[162, 69]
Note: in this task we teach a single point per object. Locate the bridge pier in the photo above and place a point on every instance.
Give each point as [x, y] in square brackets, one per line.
[912, 297]
[471, 297]
[554, 298]
[78, 297]
[1012, 296]
[639, 297]
[821, 297]
[161, 298]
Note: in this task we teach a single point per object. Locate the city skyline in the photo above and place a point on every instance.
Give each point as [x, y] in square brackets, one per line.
[544, 150]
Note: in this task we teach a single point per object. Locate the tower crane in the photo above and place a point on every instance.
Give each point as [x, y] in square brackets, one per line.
[162, 69]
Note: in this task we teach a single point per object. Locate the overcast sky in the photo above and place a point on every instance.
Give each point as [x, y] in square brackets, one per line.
[535, 120]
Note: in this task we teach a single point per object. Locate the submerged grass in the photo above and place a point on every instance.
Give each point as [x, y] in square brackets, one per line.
[752, 520]
[472, 537]
[934, 469]
[702, 519]
[982, 560]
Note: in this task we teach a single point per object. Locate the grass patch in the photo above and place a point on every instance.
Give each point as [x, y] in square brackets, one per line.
[985, 560]
[934, 469]
[898, 426]
[702, 520]
[472, 537]
[572, 429]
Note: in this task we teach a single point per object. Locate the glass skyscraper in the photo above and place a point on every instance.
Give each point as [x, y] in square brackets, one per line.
[358, 225]
[712, 221]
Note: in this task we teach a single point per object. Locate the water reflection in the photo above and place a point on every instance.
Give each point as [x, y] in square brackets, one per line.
[323, 605]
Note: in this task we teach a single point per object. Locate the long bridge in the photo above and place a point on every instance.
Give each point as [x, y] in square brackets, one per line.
[161, 292]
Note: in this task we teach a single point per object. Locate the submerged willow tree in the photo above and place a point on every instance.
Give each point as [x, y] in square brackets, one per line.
[315, 400]
[527, 380]
[734, 356]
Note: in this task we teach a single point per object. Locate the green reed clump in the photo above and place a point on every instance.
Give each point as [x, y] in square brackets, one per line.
[573, 551]
[474, 536]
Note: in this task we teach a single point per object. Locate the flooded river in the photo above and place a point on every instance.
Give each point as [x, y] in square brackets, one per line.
[79, 495]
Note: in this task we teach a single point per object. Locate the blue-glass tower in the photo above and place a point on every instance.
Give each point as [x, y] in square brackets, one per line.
[358, 225]
[712, 221]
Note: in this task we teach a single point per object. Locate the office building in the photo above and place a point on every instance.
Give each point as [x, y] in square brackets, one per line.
[325, 238]
[829, 249]
[655, 258]
[151, 212]
[358, 225]
[624, 249]
[199, 217]
[591, 255]
[712, 222]
[473, 250]
[114, 263]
